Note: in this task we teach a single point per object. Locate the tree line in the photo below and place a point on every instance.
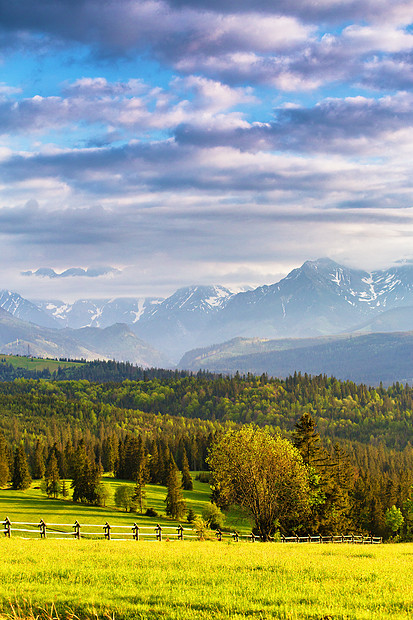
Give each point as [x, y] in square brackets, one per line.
[363, 434]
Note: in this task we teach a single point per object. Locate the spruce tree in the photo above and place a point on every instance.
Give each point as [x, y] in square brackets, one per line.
[52, 477]
[38, 465]
[320, 467]
[86, 478]
[21, 476]
[187, 483]
[175, 504]
[4, 462]
[141, 476]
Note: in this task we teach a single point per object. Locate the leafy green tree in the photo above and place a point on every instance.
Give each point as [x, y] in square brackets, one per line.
[394, 519]
[175, 504]
[264, 474]
[21, 476]
[213, 516]
[4, 462]
[124, 497]
[187, 483]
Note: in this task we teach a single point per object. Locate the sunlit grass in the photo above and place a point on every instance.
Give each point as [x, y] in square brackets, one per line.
[32, 505]
[186, 580]
[34, 363]
[59, 579]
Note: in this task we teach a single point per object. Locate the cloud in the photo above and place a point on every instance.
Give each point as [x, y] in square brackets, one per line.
[126, 107]
[72, 272]
[354, 125]
[284, 44]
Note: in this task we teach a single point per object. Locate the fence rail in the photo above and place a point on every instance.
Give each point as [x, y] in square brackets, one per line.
[134, 531]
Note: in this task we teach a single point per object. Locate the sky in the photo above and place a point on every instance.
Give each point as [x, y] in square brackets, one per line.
[149, 145]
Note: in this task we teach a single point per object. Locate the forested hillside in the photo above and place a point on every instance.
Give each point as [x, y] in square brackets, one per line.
[368, 430]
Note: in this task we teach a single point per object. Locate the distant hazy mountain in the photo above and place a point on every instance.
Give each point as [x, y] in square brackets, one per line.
[319, 298]
[368, 358]
[97, 312]
[26, 310]
[177, 324]
[115, 342]
[396, 319]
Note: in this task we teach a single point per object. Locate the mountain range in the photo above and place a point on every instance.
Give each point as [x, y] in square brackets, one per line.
[320, 298]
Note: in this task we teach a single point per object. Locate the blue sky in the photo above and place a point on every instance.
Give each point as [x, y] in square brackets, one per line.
[181, 142]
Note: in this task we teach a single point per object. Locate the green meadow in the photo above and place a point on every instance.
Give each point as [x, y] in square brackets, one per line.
[205, 580]
[32, 505]
[33, 363]
[191, 579]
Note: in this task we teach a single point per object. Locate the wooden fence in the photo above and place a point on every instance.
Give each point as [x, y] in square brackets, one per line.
[75, 531]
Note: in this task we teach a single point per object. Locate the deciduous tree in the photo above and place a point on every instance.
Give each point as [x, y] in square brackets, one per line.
[264, 474]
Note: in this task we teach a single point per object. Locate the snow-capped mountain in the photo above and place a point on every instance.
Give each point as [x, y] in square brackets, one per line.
[175, 324]
[319, 298]
[98, 312]
[116, 342]
[25, 310]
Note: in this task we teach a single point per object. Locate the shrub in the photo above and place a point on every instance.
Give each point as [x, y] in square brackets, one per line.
[213, 516]
[204, 476]
[150, 512]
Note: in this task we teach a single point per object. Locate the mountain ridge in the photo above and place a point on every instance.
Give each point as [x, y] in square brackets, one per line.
[319, 298]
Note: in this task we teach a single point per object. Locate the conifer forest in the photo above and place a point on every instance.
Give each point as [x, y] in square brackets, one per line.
[355, 441]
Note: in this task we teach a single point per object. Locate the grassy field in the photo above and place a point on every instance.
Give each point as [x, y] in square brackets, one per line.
[32, 505]
[210, 580]
[176, 580]
[32, 363]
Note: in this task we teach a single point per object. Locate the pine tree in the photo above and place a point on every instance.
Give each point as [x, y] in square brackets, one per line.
[21, 476]
[154, 463]
[65, 491]
[187, 483]
[38, 467]
[52, 477]
[86, 477]
[4, 462]
[175, 504]
[141, 476]
[320, 518]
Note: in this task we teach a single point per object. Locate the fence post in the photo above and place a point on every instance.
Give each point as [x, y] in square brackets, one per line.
[77, 529]
[218, 534]
[158, 531]
[135, 531]
[282, 538]
[42, 526]
[297, 538]
[180, 532]
[7, 526]
[308, 538]
[106, 527]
